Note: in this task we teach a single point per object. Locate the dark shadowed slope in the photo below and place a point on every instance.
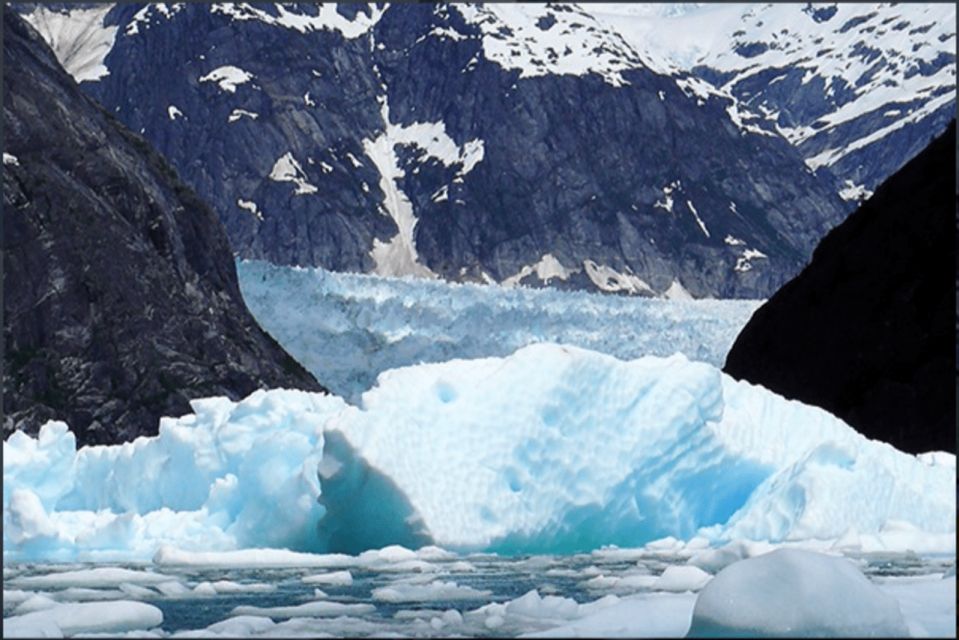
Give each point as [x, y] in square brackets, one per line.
[120, 293]
[867, 329]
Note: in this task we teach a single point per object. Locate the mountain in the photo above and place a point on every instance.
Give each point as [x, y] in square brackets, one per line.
[508, 143]
[859, 88]
[867, 330]
[120, 293]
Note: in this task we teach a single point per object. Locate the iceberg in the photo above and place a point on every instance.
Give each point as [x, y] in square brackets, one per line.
[552, 449]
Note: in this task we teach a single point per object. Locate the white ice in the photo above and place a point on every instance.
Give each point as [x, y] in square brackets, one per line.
[78, 37]
[798, 593]
[91, 617]
[552, 449]
[346, 328]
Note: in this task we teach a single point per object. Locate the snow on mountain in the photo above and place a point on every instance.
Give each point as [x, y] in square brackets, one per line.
[78, 36]
[535, 129]
[552, 449]
[859, 88]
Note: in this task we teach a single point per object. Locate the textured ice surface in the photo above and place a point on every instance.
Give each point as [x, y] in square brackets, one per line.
[229, 475]
[791, 592]
[553, 449]
[346, 329]
[593, 450]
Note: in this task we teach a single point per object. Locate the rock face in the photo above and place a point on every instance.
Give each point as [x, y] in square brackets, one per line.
[511, 143]
[867, 330]
[120, 293]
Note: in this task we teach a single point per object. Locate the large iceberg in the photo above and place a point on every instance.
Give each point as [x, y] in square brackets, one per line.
[552, 449]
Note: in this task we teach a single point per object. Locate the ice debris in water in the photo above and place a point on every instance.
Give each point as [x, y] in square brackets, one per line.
[552, 449]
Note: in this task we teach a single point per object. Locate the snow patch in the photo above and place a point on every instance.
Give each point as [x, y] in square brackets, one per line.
[78, 37]
[608, 279]
[10, 160]
[236, 114]
[575, 44]
[250, 206]
[173, 112]
[327, 18]
[227, 77]
[287, 169]
[546, 269]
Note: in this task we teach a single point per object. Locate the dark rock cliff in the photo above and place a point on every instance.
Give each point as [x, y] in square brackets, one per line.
[867, 330]
[119, 288]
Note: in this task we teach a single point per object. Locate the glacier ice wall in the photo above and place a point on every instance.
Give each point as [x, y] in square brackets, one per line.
[347, 328]
[551, 449]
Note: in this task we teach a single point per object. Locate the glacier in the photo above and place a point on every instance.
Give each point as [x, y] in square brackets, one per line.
[347, 328]
[551, 449]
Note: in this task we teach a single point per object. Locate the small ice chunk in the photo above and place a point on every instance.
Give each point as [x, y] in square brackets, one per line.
[308, 609]
[98, 577]
[341, 578]
[36, 602]
[681, 578]
[795, 592]
[439, 590]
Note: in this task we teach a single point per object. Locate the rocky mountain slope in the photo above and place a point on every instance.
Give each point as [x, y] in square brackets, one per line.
[859, 88]
[508, 143]
[867, 330]
[120, 293]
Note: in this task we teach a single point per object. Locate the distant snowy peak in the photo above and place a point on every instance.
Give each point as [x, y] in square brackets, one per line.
[834, 79]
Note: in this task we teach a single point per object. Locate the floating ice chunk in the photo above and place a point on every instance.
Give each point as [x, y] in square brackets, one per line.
[173, 589]
[715, 560]
[655, 615]
[227, 586]
[248, 558]
[928, 604]
[681, 578]
[36, 602]
[438, 590]
[232, 474]
[795, 592]
[98, 577]
[91, 617]
[233, 627]
[308, 609]
[339, 578]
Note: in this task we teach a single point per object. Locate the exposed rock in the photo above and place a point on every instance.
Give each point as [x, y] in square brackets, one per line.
[120, 293]
[444, 139]
[867, 330]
